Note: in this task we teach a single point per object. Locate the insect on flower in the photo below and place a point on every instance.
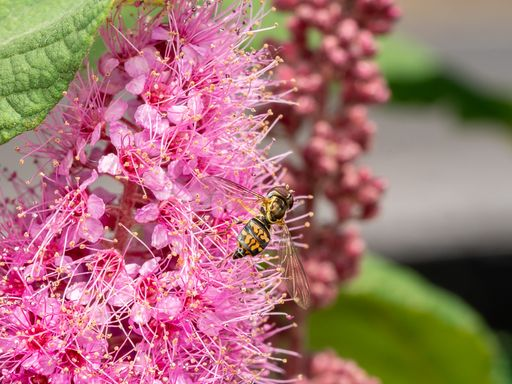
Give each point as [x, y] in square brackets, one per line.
[256, 234]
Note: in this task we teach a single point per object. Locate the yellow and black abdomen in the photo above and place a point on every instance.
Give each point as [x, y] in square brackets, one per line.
[253, 239]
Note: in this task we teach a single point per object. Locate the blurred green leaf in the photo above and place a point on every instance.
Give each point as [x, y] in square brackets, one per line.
[42, 44]
[399, 58]
[403, 330]
[416, 76]
[505, 340]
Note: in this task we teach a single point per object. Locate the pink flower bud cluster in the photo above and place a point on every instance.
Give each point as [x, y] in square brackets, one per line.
[115, 261]
[327, 368]
[330, 62]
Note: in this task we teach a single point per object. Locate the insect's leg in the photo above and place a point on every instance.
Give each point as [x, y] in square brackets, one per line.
[238, 254]
[239, 221]
[235, 255]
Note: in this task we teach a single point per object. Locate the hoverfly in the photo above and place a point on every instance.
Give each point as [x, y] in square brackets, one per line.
[255, 236]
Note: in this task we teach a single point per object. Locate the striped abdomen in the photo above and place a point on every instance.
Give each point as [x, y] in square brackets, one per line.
[253, 239]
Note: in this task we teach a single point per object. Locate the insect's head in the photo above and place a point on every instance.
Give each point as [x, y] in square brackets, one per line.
[280, 200]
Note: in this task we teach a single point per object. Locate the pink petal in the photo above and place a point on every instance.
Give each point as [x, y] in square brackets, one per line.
[176, 114]
[183, 379]
[194, 53]
[89, 181]
[100, 315]
[95, 206]
[96, 133]
[61, 378]
[116, 82]
[140, 314]
[147, 213]
[196, 106]
[136, 86]
[18, 317]
[109, 164]
[151, 54]
[116, 110]
[91, 229]
[123, 292]
[149, 266]
[190, 166]
[164, 194]
[157, 180]
[141, 140]
[136, 66]
[105, 195]
[65, 164]
[176, 242]
[34, 271]
[210, 324]
[39, 362]
[149, 118]
[168, 308]
[160, 33]
[107, 64]
[76, 292]
[80, 149]
[160, 237]
[63, 261]
[175, 169]
[132, 269]
[120, 135]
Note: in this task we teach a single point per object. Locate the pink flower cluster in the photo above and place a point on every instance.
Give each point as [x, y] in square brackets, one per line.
[329, 60]
[115, 261]
[327, 368]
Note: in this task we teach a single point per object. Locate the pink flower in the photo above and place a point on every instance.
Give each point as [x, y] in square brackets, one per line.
[327, 368]
[137, 284]
[337, 129]
[82, 121]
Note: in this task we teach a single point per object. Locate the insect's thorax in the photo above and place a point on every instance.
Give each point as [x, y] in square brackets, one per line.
[274, 209]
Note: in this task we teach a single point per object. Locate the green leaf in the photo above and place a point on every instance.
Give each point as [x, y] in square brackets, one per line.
[400, 58]
[404, 330]
[416, 76]
[42, 44]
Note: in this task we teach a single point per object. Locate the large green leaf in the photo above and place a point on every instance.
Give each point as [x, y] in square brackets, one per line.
[42, 44]
[404, 330]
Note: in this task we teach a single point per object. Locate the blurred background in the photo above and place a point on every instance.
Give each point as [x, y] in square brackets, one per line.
[454, 169]
[447, 156]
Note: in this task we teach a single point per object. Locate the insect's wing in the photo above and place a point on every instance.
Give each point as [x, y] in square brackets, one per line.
[293, 270]
[231, 188]
[235, 193]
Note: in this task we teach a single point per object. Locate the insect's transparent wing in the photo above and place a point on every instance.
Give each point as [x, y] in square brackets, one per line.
[235, 193]
[293, 270]
[231, 188]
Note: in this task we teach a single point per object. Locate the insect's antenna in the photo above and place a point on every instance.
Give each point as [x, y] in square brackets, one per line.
[305, 197]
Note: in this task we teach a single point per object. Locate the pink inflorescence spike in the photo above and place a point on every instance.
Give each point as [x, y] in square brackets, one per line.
[330, 60]
[327, 368]
[115, 261]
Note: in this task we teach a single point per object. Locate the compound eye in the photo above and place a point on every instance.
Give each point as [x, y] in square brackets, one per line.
[278, 209]
[290, 201]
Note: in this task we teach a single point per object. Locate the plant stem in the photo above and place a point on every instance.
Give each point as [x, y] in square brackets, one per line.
[297, 343]
[125, 215]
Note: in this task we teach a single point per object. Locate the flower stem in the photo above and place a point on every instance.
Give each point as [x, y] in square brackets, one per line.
[297, 343]
[125, 215]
